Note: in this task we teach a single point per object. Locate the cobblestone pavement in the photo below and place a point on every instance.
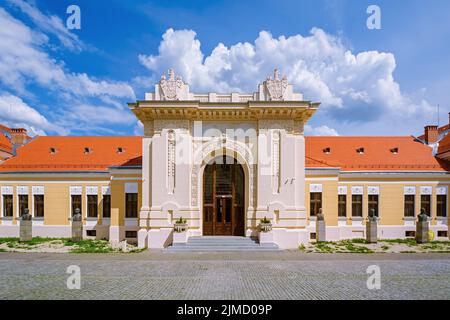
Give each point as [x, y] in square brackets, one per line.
[285, 275]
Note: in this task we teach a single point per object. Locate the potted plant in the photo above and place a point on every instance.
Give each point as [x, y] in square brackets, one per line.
[180, 225]
[265, 225]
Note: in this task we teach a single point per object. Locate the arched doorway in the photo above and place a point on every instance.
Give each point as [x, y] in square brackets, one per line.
[223, 198]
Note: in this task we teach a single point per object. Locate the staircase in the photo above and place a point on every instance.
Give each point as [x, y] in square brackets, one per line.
[221, 244]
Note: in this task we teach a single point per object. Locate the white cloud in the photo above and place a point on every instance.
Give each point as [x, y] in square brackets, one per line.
[51, 24]
[320, 131]
[16, 113]
[24, 61]
[351, 86]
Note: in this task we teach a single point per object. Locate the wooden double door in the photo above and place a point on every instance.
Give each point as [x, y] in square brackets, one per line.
[223, 198]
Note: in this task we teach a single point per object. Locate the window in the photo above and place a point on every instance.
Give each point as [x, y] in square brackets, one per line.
[342, 205]
[23, 203]
[425, 203]
[106, 206]
[76, 203]
[130, 234]
[91, 233]
[442, 234]
[357, 205]
[410, 234]
[131, 210]
[38, 205]
[409, 205]
[7, 205]
[373, 203]
[315, 202]
[92, 206]
[441, 205]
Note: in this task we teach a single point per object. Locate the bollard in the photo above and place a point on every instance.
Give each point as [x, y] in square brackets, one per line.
[321, 235]
[372, 227]
[77, 226]
[422, 227]
[26, 225]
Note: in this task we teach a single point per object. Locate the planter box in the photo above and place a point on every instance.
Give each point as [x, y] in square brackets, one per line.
[265, 227]
[180, 237]
[180, 227]
[265, 237]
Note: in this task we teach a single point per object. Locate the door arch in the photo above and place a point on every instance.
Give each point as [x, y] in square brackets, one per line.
[223, 197]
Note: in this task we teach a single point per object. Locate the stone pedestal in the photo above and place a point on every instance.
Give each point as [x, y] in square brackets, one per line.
[266, 237]
[77, 231]
[26, 233]
[321, 231]
[180, 237]
[422, 229]
[371, 231]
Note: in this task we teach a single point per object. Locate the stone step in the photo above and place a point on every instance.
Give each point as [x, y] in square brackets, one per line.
[221, 244]
[219, 249]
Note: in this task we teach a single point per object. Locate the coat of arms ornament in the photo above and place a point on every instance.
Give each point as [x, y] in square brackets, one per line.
[170, 86]
[276, 86]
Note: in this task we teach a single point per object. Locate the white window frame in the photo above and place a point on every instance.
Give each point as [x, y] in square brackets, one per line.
[442, 191]
[37, 191]
[21, 191]
[106, 191]
[7, 191]
[131, 187]
[374, 191]
[74, 191]
[90, 191]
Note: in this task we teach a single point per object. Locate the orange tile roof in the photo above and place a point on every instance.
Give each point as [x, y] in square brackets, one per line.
[412, 155]
[440, 130]
[444, 144]
[70, 154]
[5, 144]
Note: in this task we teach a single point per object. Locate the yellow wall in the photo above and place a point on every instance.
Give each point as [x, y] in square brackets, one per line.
[391, 197]
[57, 196]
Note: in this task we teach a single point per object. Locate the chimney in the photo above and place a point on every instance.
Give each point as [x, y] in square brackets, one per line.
[431, 134]
[19, 136]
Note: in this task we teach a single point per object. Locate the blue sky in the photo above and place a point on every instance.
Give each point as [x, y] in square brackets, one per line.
[370, 82]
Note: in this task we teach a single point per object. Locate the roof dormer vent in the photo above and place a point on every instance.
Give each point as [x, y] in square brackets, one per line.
[119, 150]
[360, 150]
[53, 150]
[327, 150]
[87, 150]
[394, 150]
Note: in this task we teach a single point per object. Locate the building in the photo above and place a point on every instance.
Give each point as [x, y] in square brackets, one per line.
[223, 162]
[10, 140]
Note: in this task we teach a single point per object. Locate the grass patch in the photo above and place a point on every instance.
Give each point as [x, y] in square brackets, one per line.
[3, 250]
[407, 241]
[93, 246]
[350, 246]
[324, 247]
[358, 240]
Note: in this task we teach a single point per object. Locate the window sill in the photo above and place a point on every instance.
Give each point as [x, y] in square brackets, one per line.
[6, 218]
[357, 218]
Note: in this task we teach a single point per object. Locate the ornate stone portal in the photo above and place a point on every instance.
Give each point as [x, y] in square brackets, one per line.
[185, 131]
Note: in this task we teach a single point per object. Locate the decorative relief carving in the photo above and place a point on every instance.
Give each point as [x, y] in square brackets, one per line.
[266, 124]
[204, 149]
[171, 161]
[149, 128]
[276, 161]
[180, 125]
[276, 87]
[171, 86]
